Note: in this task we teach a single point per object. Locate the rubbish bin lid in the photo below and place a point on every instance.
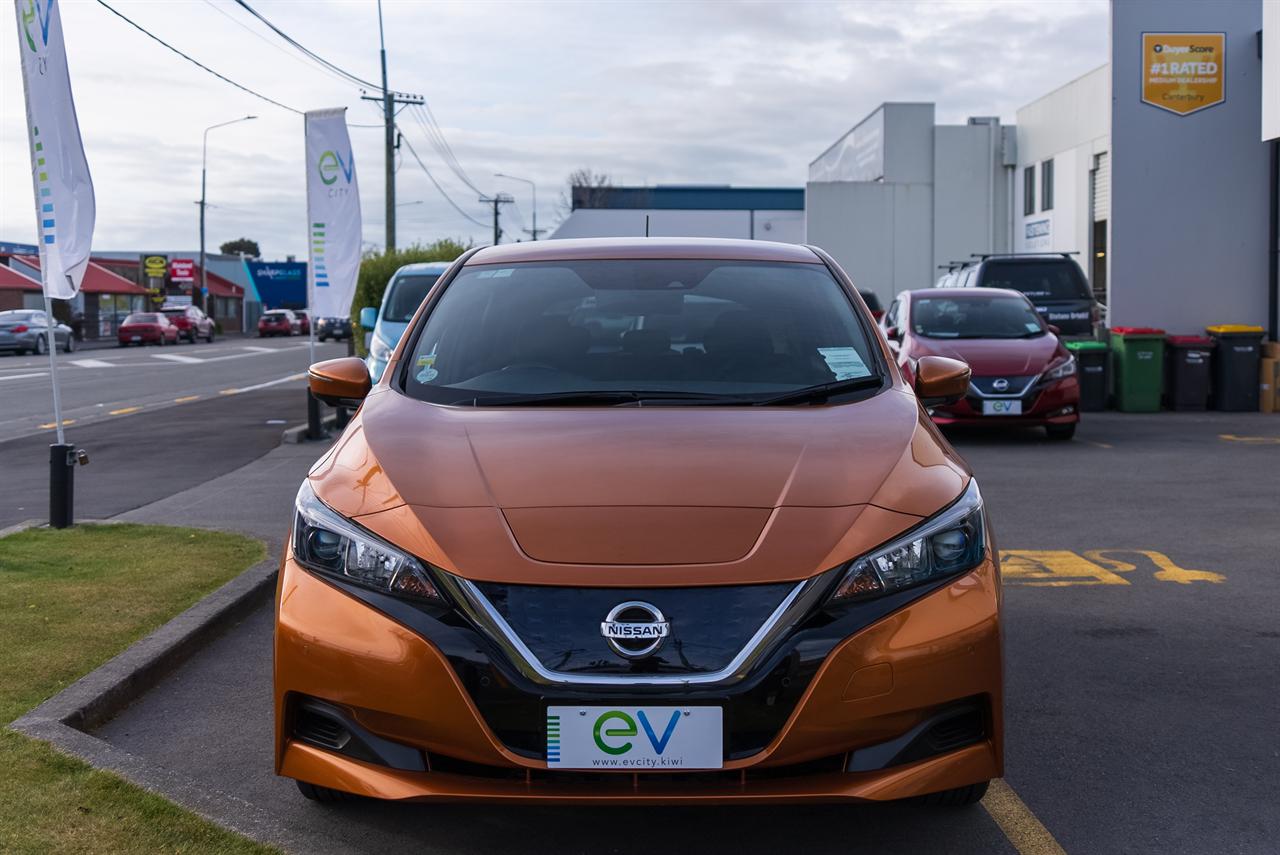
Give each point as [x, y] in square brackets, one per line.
[1086, 345]
[1137, 331]
[1229, 329]
[1189, 340]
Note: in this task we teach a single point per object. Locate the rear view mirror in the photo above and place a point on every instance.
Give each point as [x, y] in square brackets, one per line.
[892, 333]
[940, 380]
[368, 317]
[340, 382]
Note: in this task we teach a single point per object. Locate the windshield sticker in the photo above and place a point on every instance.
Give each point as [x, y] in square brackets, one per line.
[426, 366]
[503, 273]
[845, 362]
[1032, 326]
[485, 274]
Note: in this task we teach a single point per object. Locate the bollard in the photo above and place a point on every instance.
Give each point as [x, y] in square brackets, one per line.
[315, 429]
[62, 463]
[341, 417]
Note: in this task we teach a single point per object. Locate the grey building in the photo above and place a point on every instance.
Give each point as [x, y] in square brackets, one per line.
[898, 196]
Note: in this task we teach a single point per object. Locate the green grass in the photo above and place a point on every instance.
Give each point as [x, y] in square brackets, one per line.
[69, 601]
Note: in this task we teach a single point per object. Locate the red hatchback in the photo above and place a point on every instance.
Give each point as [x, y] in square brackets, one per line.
[146, 328]
[1022, 375]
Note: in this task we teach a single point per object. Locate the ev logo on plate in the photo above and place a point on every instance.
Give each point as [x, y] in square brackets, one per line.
[635, 737]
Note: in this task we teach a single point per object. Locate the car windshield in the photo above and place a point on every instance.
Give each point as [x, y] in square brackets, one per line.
[13, 315]
[142, 319]
[1040, 280]
[275, 316]
[407, 295]
[974, 317]
[709, 331]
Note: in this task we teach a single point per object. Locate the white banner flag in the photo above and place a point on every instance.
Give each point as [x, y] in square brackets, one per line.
[333, 214]
[64, 190]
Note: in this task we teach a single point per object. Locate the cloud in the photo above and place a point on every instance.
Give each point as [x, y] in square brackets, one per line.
[665, 92]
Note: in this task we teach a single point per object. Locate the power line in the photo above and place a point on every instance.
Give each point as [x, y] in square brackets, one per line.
[446, 196]
[282, 34]
[435, 135]
[196, 62]
[275, 47]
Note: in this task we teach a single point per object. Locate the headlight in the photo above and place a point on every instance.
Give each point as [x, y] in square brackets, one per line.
[944, 545]
[1058, 370]
[328, 543]
[379, 349]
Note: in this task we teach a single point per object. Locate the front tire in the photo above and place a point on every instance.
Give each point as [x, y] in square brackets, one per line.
[1061, 432]
[959, 797]
[71, 344]
[40, 345]
[323, 795]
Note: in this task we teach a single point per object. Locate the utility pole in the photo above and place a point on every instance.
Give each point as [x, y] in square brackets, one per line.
[496, 200]
[389, 101]
[198, 299]
[535, 231]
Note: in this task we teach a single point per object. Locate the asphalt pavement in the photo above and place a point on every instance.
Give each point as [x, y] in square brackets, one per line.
[1142, 571]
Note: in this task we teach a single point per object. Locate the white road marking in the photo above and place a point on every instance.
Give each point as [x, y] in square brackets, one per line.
[298, 376]
[176, 357]
[24, 376]
[260, 349]
[92, 363]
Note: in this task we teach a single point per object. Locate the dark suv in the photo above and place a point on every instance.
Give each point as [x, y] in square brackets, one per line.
[1052, 281]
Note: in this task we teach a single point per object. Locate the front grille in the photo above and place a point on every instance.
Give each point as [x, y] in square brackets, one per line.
[1014, 385]
[709, 625]
[628, 780]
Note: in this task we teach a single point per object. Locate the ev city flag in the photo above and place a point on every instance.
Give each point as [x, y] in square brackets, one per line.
[333, 214]
[60, 174]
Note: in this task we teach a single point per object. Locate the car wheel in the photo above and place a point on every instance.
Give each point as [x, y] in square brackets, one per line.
[71, 344]
[959, 797]
[39, 348]
[324, 795]
[1060, 432]
[209, 338]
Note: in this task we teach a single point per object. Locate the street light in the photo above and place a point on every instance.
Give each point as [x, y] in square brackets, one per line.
[533, 231]
[204, 163]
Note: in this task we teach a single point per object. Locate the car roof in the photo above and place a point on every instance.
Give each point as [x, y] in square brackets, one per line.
[1026, 256]
[966, 293]
[640, 248]
[425, 267]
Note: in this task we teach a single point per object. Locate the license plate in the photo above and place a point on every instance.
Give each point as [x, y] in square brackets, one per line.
[136, 338]
[1002, 408]
[635, 738]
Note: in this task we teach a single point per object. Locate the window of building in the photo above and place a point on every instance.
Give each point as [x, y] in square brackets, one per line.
[1046, 185]
[1029, 190]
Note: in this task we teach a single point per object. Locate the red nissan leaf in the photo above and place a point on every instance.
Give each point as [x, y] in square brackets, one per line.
[1022, 375]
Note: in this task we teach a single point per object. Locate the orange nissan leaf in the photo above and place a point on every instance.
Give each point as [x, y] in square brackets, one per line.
[640, 521]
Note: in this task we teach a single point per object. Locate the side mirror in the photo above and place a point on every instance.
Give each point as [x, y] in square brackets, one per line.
[1053, 328]
[340, 382]
[940, 380]
[892, 333]
[368, 317]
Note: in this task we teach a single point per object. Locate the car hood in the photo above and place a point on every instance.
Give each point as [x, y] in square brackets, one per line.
[547, 494]
[989, 357]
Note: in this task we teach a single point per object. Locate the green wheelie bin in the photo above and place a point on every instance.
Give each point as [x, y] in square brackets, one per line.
[1137, 360]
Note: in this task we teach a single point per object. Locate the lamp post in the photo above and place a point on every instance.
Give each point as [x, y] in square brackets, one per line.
[204, 164]
[535, 230]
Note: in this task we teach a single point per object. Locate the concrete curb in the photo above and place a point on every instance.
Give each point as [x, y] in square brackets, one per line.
[298, 433]
[96, 697]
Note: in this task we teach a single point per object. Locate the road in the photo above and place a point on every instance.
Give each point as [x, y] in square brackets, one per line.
[1141, 588]
[111, 383]
[152, 424]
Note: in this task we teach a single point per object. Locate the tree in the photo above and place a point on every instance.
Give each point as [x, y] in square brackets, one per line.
[239, 245]
[587, 189]
[377, 268]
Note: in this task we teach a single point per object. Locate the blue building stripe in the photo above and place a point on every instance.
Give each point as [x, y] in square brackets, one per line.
[48, 224]
[47, 207]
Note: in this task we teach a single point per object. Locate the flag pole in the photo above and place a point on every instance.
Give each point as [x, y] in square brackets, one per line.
[53, 363]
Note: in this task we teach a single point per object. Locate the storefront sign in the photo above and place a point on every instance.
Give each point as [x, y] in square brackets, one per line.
[155, 266]
[1183, 72]
[182, 270]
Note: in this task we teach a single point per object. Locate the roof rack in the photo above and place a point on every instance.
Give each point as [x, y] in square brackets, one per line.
[983, 256]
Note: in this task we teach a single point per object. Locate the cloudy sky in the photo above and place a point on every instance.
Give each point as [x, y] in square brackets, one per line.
[646, 92]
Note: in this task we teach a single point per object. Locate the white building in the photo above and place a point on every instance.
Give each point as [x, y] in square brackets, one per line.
[758, 213]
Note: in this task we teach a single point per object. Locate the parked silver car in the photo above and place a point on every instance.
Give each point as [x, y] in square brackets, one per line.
[22, 330]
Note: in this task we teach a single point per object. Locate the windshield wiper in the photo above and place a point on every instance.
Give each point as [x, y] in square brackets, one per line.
[822, 393]
[598, 397]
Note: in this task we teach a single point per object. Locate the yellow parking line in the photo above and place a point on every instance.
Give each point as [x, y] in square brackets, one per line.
[52, 425]
[124, 411]
[228, 391]
[1027, 834]
[184, 399]
[1250, 440]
